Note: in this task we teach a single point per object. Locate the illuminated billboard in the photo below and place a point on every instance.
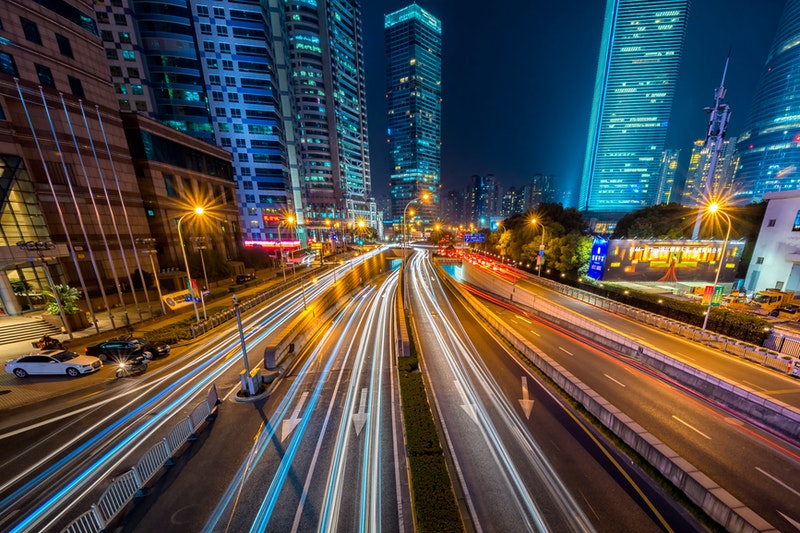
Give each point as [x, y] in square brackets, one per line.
[666, 261]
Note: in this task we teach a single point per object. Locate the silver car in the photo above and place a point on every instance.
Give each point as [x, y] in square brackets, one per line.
[53, 362]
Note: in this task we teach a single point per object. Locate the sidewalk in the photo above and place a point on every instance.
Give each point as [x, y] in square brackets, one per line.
[15, 392]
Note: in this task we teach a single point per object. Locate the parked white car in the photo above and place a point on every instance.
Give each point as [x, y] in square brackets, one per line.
[53, 362]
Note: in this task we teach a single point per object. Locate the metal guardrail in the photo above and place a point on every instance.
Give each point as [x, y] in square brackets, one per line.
[126, 486]
[770, 355]
[220, 318]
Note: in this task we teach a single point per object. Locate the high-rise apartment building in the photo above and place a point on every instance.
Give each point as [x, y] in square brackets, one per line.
[483, 199]
[214, 71]
[769, 147]
[327, 62]
[413, 95]
[699, 168]
[637, 70]
[453, 207]
[513, 202]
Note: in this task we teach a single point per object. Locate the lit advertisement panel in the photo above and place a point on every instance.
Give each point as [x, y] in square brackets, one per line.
[597, 261]
[671, 261]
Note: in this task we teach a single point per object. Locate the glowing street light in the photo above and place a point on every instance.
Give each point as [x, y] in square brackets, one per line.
[197, 211]
[713, 209]
[541, 246]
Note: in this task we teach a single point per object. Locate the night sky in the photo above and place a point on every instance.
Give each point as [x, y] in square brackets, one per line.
[518, 82]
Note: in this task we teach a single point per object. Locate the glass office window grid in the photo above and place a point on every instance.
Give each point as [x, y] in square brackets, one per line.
[238, 70]
[637, 71]
[413, 90]
[769, 147]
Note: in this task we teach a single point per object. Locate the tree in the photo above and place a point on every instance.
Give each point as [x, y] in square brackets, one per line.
[68, 296]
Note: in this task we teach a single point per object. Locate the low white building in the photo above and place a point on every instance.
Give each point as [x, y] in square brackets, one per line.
[776, 257]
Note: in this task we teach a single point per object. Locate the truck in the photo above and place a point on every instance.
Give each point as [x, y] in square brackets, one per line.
[773, 299]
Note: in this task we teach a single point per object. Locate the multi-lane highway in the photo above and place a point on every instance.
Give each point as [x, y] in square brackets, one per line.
[523, 460]
[757, 467]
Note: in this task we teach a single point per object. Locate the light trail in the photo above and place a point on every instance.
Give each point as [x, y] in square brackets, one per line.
[463, 361]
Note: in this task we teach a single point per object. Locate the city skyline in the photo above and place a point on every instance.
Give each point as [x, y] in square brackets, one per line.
[520, 147]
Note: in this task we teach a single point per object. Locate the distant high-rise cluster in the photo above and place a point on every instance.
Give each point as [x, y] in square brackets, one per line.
[414, 100]
[637, 71]
[699, 168]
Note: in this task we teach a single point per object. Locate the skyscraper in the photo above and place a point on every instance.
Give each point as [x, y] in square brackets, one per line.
[327, 60]
[769, 147]
[700, 166]
[667, 181]
[640, 54]
[413, 95]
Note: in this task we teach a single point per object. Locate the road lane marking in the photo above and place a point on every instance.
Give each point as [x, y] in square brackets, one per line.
[778, 481]
[691, 427]
[535, 333]
[615, 381]
[679, 354]
[524, 319]
[753, 385]
[360, 417]
[466, 405]
[526, 402]
[288, 425]
[566, 351]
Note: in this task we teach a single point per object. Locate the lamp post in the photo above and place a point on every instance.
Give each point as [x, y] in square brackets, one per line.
[715, 208]
[541, 246]
[150, 251]
[290, 221]
[196, 211]
[200, 242]
[39, 247]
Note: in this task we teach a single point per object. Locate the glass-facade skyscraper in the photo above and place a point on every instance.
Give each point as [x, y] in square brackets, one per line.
[327, 59]
[413, 96]
[769, 147]
[637, 72]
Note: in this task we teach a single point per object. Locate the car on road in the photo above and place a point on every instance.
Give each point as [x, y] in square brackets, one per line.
[53, 362]
[128, 347]
[244, 278]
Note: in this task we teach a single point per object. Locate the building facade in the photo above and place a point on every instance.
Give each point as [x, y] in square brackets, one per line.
[669, 173]
[769, 147]
[776, 257]
[637, 71]
[327, 63]
[70, 207]
[414, 99]
[720, 186]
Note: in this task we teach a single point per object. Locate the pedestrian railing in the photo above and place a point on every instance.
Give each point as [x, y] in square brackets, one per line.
[126, 486]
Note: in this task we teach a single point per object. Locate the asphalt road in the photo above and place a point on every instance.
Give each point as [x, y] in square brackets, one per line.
[756, 467]
[524, 460]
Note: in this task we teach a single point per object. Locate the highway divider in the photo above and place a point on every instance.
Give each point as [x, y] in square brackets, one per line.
[716, 502]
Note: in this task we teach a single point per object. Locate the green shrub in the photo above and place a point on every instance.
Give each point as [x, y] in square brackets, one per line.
[433, 496]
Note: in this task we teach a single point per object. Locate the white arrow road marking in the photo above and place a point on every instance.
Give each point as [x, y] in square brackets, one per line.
[288, 425]
[360, 417]
[614, 380]
[525, 402]
[466, 405]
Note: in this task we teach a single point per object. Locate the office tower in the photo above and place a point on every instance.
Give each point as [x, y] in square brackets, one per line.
[484, 199]
[699, 168]
[769, 147]
[327, 62]
[637, 71]
[68, 184]
[413, 95]
[213, 73]
[668, 173]
[513, 202]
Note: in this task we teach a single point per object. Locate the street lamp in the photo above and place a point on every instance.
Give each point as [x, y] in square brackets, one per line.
[713, 209]
[150, 251]
[541, 246]
[200, 242]
[39, 247]
[197, 211]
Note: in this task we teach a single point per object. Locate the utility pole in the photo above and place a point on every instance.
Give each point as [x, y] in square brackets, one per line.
[718, 119]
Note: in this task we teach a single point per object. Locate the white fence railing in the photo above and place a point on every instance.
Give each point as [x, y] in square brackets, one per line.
[124, 487]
